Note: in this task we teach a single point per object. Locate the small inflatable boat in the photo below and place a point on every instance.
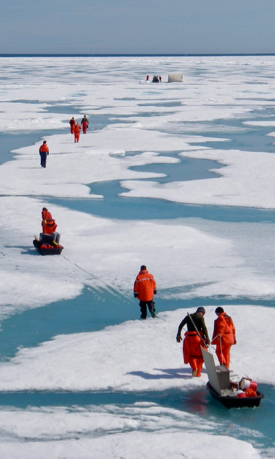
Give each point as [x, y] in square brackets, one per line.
[231, 394]
[48, 244]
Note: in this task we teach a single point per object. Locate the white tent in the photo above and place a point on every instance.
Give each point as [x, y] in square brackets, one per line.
[175, 78]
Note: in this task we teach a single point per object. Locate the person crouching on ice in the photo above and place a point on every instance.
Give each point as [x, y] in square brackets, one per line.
[48, 224]
[195, 337]
[145, 289]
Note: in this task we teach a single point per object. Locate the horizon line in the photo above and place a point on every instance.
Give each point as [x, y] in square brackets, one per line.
[130, 54]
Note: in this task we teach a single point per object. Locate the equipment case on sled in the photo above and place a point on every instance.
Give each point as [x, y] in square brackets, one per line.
[223, 390]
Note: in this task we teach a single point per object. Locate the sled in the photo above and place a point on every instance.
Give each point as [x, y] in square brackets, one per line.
[48, 244]
[50, 251]
[223, 390]
[234, 401]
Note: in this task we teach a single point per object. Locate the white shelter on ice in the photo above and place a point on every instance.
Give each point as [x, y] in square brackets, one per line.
[175, 78]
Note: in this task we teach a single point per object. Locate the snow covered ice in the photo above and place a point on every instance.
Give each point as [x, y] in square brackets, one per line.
[134, 124]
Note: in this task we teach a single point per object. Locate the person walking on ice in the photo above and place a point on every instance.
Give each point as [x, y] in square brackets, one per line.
[224, 336]
[195, 337]
[72, 124]
[44, 152]
[145, 288]
[77, 130]
[85, 124]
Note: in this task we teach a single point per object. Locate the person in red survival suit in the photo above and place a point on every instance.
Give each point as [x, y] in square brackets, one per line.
[77, 130]
[44, 152]
[195, 337]
[224, 336]
[85, 124]
[48, 224]
[145, 289]
[72, 124]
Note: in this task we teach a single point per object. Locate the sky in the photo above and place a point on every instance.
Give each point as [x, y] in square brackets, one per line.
[137, 27]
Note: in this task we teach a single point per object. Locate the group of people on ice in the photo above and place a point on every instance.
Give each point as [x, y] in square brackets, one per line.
[224, 334]
[145, 288]
[155, 79]
[76, 127]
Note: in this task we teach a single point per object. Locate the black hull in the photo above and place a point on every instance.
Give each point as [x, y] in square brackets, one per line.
[236, 402]
[51, 251]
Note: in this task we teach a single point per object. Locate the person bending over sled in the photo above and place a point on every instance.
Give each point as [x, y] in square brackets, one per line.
[145, 289]
[195, 337]
[48, 224]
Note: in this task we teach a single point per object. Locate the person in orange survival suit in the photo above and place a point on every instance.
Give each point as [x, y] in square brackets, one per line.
[44, 152]
[85, 124]
[72, 124]
[77, 130]
[195, 337]
[144, 289]
[48, 224]
[224, 336]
